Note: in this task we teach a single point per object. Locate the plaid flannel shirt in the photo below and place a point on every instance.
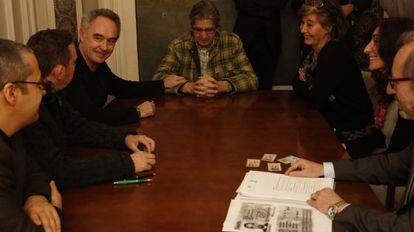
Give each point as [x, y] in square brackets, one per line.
[227, 62]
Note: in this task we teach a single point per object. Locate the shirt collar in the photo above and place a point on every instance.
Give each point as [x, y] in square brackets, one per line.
[5, 137]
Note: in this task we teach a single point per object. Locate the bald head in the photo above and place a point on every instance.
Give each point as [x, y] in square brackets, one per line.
[403, 66]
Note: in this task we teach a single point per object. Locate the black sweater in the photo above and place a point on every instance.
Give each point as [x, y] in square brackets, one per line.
[337, 89]
[20, 178]
[59, 127]
[88, 92]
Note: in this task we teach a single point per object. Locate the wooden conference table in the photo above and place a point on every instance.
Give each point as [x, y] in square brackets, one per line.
[202, 148]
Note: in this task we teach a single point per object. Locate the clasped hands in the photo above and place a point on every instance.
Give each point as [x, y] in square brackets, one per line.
[205, 86]
[322, 199]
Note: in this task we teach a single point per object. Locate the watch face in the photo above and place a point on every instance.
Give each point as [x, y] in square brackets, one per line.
[331, 212]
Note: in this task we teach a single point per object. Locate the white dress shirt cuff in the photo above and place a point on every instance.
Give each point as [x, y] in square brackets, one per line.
[328, 170]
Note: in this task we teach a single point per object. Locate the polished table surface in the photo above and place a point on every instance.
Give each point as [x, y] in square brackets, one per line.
[202, 148]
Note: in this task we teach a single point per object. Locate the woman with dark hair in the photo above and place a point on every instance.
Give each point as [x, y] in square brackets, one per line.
[381, 50]
[329, 78]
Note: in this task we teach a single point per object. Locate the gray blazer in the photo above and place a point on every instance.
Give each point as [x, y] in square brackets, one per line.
[394, 169]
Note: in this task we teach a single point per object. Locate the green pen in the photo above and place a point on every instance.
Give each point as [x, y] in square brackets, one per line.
[132, 181]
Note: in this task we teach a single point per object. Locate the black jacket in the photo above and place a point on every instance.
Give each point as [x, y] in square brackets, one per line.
[88, 92]
[337, 89]
[20, 178]
[59, 127]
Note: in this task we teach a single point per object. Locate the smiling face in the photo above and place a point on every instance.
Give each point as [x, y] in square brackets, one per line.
[375, 61]
[97, 42]
[313, 33]
[204, 32]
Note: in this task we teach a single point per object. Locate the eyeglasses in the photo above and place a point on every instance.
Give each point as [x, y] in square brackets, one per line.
[41, 84]
[208, 30]
[315, 3]
[393, 80]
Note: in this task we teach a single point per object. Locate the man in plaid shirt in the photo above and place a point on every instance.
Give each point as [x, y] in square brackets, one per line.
[211, 61]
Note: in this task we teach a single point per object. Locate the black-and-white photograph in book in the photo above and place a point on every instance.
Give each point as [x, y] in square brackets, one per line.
[246, 215]
[262, 218]
[255, 217]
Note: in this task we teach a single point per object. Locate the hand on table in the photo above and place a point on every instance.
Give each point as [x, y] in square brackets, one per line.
[43, 213]
[146, 109]
[133, 141]
[305, 168]
[171, 81]
[143, 161]
[322, 199]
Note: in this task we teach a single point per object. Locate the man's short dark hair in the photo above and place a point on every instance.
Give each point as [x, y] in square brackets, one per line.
[13, 66]
[205, 10]
[106, 13]
[51, 47]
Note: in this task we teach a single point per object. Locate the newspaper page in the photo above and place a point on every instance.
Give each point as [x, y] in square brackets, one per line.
[260, 216]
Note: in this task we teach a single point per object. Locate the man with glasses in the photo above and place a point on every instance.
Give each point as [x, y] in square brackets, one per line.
[60, 126]
[27, 201]
[395, 169]
[211, 61]
[93, 80]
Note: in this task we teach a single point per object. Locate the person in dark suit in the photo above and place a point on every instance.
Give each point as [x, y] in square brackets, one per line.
[258, 26]
[27, 201]
[392, 169]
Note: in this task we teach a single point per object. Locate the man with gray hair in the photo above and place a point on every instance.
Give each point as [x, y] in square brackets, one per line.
[211, 61]
[27, 200]
[396, 169]
[93, 80]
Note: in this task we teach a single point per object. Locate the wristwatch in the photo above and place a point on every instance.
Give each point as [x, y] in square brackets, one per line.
[336, 208]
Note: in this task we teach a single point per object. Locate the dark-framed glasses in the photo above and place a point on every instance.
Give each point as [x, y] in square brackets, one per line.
[392, 81]
[41, 84]
[315, 3]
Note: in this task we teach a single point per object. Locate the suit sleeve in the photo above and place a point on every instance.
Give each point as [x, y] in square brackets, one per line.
[392, 169]
[357, 218]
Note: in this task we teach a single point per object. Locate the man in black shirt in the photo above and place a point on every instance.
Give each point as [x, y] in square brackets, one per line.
[93, 80]
[60, 126]
[27, 202]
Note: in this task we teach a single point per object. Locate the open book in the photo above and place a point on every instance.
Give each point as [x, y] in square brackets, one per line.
[270, 202]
